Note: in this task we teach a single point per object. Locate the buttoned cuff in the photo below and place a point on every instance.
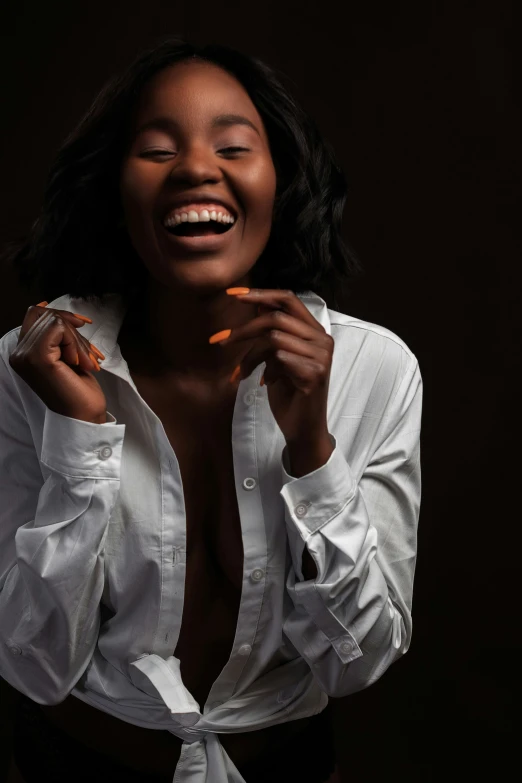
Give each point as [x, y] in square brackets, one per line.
[82, 449]
[312, 500]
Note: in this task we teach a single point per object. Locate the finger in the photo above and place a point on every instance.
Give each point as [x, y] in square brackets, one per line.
[273, 320]
[43, 341]
[302, 372]
[35, 312]
[77, 323]
[65, 314]
[72, 351]
[65, 343]
[267, 347]
[283, 300]
[86, 359]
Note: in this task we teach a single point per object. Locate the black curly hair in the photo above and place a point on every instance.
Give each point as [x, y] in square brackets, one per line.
[305, 250]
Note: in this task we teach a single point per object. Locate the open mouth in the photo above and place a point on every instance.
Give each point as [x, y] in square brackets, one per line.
[200, 229]
[201, 237]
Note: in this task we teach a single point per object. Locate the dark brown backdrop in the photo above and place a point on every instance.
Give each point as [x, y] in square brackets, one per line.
[420, 102]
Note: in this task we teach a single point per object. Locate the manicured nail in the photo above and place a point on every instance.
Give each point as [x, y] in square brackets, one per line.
[42, 304]
[83, 318]
[96, 351]
[235, 374]
[239, 290]
[218, 336]
[77, 360]
[95, 363]
[262, 381]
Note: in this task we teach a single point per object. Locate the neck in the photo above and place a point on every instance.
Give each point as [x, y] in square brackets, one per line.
[170, 329]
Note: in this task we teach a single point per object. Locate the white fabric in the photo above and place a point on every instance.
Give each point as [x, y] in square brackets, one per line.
[92, 518]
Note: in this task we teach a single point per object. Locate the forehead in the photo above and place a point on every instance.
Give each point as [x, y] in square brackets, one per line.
[194, 92]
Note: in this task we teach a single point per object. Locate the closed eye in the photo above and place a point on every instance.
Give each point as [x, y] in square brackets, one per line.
[234, 149]
[147, 153]
[229, 150]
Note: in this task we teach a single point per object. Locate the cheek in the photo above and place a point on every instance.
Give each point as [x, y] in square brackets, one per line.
[260, 185]
[136, 189]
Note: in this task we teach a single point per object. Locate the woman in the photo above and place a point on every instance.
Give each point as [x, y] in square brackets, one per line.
[194, 557]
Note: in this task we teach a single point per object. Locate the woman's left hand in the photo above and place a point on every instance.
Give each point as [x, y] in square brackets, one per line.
[298, 354]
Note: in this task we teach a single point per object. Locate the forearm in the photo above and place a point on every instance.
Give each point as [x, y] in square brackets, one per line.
[304, 459]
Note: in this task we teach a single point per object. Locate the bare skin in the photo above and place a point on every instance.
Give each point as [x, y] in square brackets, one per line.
[185, 301]
[164, 339]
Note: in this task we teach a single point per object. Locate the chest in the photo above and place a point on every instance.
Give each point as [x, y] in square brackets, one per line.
[199, 430]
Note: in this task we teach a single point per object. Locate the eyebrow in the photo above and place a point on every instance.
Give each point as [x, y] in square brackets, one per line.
[220, 121]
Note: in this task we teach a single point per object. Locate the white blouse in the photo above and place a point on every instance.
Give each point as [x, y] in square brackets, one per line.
[92, 520]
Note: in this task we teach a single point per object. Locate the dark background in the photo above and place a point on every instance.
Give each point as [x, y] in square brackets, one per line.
[420, 102]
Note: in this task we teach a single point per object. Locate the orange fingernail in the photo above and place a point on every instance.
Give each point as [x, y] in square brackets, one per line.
[262, 381]
[239, 290]
[95, 363]
[96, 351]
[83, 318]
[220, 336]
[77, 360]
[235, 373]
[42, 304]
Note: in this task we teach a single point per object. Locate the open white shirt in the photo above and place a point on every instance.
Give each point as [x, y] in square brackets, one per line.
[93, 544]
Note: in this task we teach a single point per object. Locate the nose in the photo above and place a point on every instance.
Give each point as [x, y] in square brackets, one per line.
[195, 164]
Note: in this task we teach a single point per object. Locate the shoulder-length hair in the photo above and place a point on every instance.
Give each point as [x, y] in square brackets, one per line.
[78, 245]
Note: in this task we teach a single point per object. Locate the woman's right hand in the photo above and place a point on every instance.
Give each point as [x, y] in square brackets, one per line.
[46, 358]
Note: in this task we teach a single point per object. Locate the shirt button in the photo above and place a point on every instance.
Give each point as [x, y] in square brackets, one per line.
[14, 649]
[346, 647]
[301, 509]
[257, 574]
[106, 452]
[249, 398]
[249, 483]
[245, 649]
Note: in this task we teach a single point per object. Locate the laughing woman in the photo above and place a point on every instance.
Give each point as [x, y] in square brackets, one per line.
[210, 479]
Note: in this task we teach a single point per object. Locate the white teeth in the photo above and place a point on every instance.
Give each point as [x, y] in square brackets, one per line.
[193, 217]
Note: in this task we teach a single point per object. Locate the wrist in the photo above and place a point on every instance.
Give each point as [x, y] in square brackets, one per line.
[306, 456]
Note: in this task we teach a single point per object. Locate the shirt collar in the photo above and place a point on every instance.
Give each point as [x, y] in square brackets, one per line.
[107, 319]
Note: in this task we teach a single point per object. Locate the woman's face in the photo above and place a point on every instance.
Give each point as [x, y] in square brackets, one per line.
[185, 120]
